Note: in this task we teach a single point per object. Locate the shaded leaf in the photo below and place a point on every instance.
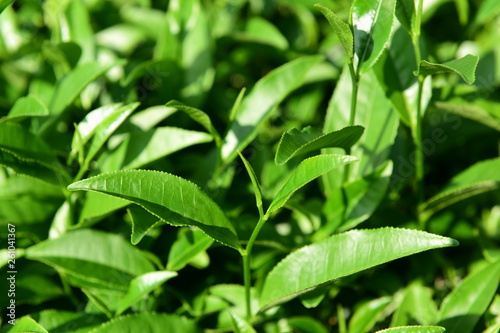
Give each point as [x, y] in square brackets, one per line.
[57, 321]
[171, 198]
[148, 322]
[189, 243]
[295, 142]
[479, 178]
[92, 258]
[342, 29]
[407, 16]
[372, 26]
[267, 93]
[341, 255]
[466, 304]
[470, 111]
[141, 286]
[97, 206]
[465, 67]
[367, 315]
[306, 171]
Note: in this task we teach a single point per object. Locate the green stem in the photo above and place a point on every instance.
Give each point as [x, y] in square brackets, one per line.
[354, 100]
[417, 138]
[246, 264]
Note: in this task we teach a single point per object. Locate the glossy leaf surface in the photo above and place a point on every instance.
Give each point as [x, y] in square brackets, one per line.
[464, 306]
[372, 26]
[367, 315]
[171, 198]
[258, 104]
[307, 171]
[26, 324]
[295, 142]
[342, 255]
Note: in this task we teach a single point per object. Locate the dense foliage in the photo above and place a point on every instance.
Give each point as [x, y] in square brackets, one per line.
[250, 166]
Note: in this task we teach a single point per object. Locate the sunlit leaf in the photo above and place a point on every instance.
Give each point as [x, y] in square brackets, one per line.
[141, 286]
[295, 142]
[262, 31]
[255, 183]
[342, 255]
[171, 198]
[414, 329]
[4, 4]
[342, 30]
[241, 325]
[307, 171]
[466, 304]
[258, 104]
[54, 320]
[416, 307]
[465, 67]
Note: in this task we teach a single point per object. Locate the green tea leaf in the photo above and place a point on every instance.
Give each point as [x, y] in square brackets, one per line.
[465, 67]
[414, 329]
[262, 31]
[394, 72]
[148, 322]
[87, 127]
[189, 243]
[407, 16]
[142, 220]
[470, 111]
[97, 206]
[199, 116]
[342, 255]
[416, 307]
[92, 259]
[61, 321]
[306, 325]
[466, 304]
[4, 4]
[28, 106]
[171, 198]
[255, 183]
[372, 26]
[367, 315]
[26, 324]
[142, 148]
[106, 127]
[73, 83]
[489, 10]
[305, 172]
[295, 142]
[66, 321]
[480, 178]
[27, 154]
[342, 29]
[141, 286]
[241, 325]
[258, 104]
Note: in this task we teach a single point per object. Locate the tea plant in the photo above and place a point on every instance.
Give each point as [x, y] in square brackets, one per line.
[243, 207]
